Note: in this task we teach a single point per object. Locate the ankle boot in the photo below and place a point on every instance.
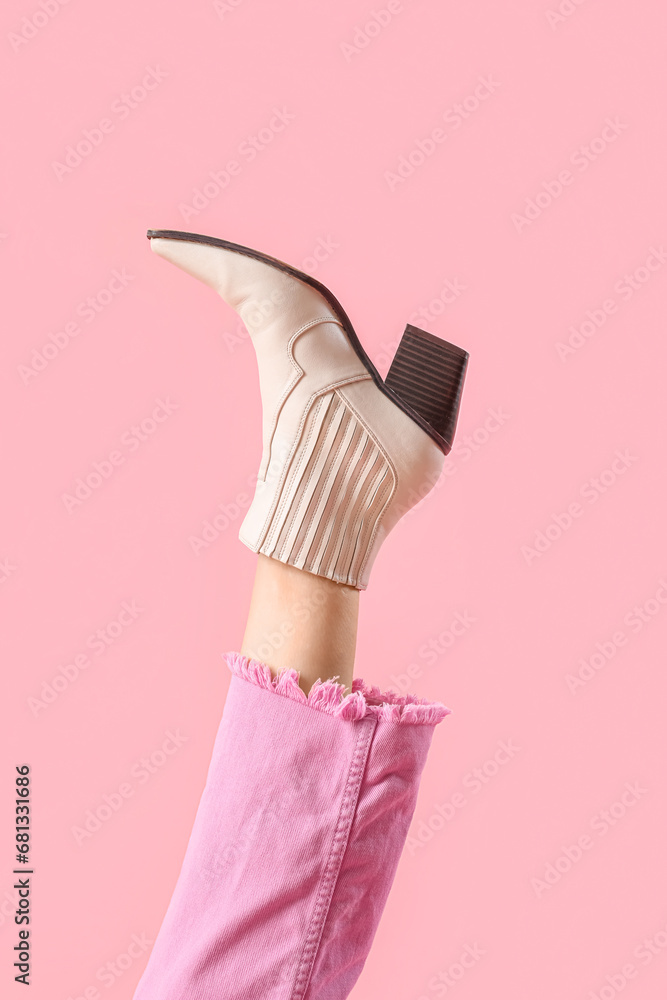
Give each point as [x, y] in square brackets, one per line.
[296, 840]
[345, 454]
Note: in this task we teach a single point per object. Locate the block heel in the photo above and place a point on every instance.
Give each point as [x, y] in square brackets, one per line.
[428, 374]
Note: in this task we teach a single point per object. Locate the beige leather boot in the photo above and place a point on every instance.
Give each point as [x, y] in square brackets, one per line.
[345, 454]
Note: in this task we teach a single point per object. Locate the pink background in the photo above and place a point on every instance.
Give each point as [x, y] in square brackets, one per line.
[475, 874]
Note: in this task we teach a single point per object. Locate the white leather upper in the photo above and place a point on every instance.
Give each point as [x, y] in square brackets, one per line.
[341, 463]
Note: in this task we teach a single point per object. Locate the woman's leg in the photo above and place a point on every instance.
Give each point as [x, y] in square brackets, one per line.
[314, 775]
[303, 621]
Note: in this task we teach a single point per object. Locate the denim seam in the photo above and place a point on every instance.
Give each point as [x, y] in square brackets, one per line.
[335, 859]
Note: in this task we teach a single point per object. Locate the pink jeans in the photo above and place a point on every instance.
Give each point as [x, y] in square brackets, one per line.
[295, 843]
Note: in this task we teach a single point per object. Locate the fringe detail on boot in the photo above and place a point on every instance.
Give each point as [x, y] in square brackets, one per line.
[329, 696]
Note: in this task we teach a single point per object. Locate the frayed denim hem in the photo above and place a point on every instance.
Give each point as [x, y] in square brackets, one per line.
[329, 696]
